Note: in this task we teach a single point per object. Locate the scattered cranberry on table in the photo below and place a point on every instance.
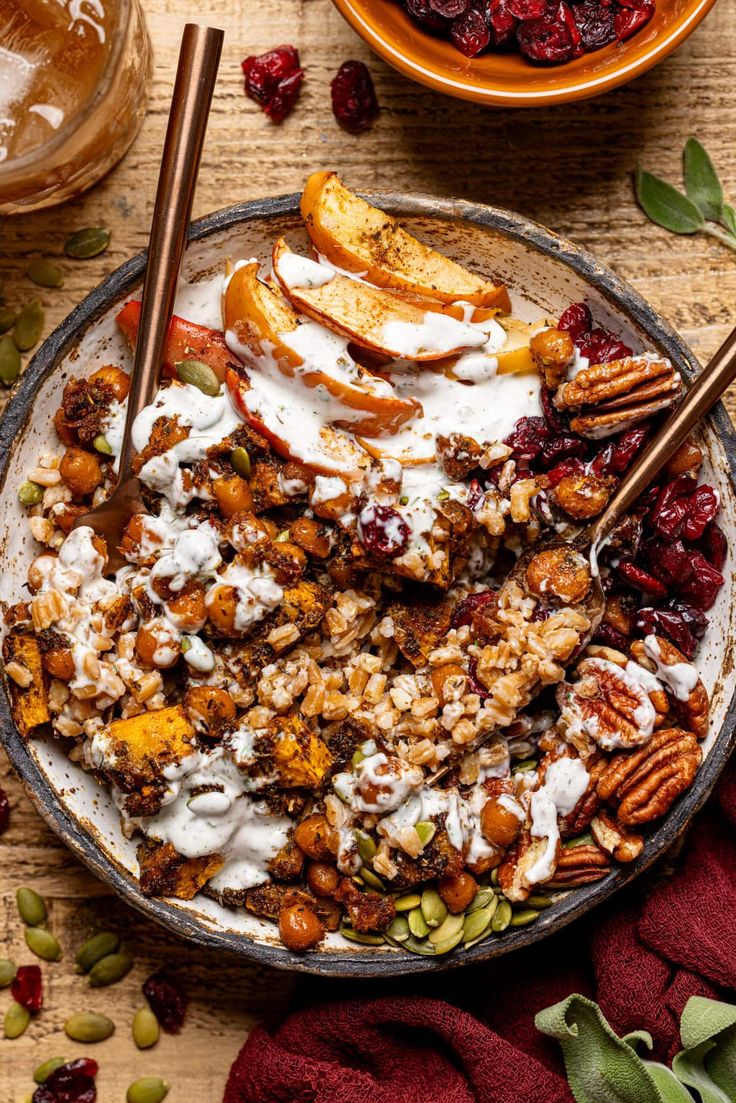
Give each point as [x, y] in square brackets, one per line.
[354, 101]
[273, 80]
[26, 988]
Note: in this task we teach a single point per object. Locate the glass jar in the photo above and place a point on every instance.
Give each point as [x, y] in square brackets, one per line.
[73, 77]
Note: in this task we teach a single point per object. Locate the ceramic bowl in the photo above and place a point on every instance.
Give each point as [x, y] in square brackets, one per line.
[544, 274]
[507, 79]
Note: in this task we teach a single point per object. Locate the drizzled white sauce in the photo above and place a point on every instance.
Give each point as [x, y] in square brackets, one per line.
[436, 333]
[258, 593]
[301, 272]
[368, 789]
[565, 783]
[681, 678]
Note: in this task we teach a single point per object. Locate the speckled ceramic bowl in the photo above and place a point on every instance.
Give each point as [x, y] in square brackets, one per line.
[506, 79]
[544, 274]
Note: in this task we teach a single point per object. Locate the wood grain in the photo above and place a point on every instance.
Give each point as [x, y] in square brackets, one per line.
[569, 167]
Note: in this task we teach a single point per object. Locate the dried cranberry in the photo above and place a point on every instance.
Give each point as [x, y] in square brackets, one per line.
[552, 39]
[601, 346]
[470, 33]
[73, 1082]
[26, 988]
[701, 510]
[562, 470]
[609, 636]
[701, 588]
[423, 13]
[669, 623]
[696, 621]
[501, 22]
[595, 23]
[618, 455]
[555, 421]
[640, 579]
[528, 438]
[669, 561]
[576, 320]
[562, 448]
[4, 811]
[527, 9]
[469, 606]
[284, 96]
[383, 531]
[628, 20]
[715, 545]
[671, 506]
[450, 9]
[167, 999]
[354, 102]
[273, 80]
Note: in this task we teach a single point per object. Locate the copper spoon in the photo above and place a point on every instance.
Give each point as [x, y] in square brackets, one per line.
[700, 399]
[199, 58]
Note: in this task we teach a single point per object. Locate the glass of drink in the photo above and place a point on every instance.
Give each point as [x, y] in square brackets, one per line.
[73, 77]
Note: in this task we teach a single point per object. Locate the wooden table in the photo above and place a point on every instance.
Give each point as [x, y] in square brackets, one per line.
[569, 167]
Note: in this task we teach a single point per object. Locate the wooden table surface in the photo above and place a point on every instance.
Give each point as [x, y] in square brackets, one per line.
[568, 167]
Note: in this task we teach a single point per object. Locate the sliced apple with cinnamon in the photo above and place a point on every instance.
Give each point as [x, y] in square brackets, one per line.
[360, 238]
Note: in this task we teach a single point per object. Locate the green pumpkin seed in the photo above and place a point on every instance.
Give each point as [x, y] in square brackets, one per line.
[94, 949]
[371, 879]
[88, 1026]
[31, 907]
[481, 938]
[7, 972]
[399, 929]
[425, 829]
[434, 908]
[240, 460]
[363, 937]
[145, 1028]
[44, 1070]
[366, 846]
[417, 924]
[44, 273]
[523, 917]
[476, 923]
[448, 944]
[408, 902]
[482, 898]
[539, 901]
[579, 840]
[525, 766]
[416, 946]
[357, 758]
[7, 319]
[29, 326]
[502, 918]
[30, 494]
[86, 243]
[494, 876]
[198, 375]
[43, 944]
[10, 361]
[102, 444]
[447, 929]
[109, 970]
[149, 1089]
[16, 1020]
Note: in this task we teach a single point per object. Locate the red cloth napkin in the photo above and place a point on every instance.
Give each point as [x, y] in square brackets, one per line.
[640, 958]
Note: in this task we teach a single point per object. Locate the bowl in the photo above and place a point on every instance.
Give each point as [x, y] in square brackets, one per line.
[507, 79]
[544, 274]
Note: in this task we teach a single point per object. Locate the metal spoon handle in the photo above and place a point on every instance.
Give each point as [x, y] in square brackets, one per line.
[199, 58]
[701, 397]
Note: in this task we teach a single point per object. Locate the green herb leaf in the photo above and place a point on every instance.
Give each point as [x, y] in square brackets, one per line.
[689, 1067]
[670, 1088]
[701, 180]
[728, 218]
[665, 205]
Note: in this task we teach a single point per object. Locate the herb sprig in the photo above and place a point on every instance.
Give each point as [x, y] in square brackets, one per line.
[701, 208]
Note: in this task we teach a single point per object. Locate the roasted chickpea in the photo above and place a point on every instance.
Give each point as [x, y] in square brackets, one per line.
[209, 705]
[322, 878]
[331, 508]
[552, 351]
[59, 663]
[80, 471]
[157, 647]
[559, 572]
[221, 601]
[686, 460]
[38, 570]
[316, 837]
[457, 891]
[113, 377]
[582, 496]
[311, 536]
[65, 431]
[299, 928]
[448, 682]
[233, 495]
[500, 825]
[187, 610]
[66, 516]
[486, 863]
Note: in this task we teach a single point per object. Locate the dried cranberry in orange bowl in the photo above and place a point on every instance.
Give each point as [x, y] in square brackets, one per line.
[523, 53]
[377, 436]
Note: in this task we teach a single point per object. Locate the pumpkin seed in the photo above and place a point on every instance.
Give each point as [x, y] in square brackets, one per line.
[399, 929]
[525, 766]
[539, 901]
[198, 375]
[10, 361]
[94, 949]
[366, 846]
[109, 970]
[425, 829]
[372, 880]
[502, 918]
[30, 494]
[482, 898]
[358, 756]
[88, 1026]
[31, 907]
[434, 908]
[44, 1070]
[481, 938]
[102, 444]
[448, 944]
[7, 319]
[44, 273]
[16, 1020]
[447, 929]
[363, 937]
[477, 921]
[416, 946]
[43, 944]
[523, 917]
[417, 925]
[579, 840]
[7, 972]
[29, 326]
[145, 1028]
[494, 876]
[408, 902]
[240, 460]
[86, 243]
[149, 1089]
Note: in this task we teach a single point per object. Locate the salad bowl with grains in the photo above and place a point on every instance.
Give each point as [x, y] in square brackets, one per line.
[345, 707]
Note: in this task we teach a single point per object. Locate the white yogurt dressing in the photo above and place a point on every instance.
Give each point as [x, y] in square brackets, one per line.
[565, 783]
[681, 678]
[301, 272]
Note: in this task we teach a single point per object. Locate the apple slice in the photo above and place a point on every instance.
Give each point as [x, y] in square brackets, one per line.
[399, 326]
[360, 238]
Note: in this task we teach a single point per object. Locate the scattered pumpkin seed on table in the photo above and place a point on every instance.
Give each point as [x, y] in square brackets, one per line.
[7, 319]
[109, 970]
[43, 943]
[10, 361]
[149, 1089]
[7, 972]
[42, 1073]
[45, 273]
[88, 242]
[31, 905]
[16, 1020]
[145, 1028]
[88, 1026]
[29, 326]
[94, 949]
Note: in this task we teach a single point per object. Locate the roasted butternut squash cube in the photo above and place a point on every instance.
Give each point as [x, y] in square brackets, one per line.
[165, 872]
[300, 757]
[26, 680]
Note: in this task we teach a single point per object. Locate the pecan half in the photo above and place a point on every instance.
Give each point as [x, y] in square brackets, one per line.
[613, 837]
[646, 784]
[607, 706]
[622, 393]
[689, 696]
[516, 874]
[579, 865]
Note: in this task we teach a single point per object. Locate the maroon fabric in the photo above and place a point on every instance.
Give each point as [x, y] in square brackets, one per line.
[641, 959]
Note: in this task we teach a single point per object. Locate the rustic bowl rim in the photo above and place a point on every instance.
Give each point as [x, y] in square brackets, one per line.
[349, 963]
[414, 64]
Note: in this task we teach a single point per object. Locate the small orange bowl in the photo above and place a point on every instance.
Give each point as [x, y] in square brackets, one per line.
[508, 79]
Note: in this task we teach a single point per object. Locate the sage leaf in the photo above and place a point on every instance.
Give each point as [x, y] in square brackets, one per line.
[665, 205]
[728, 218]
[701, 180]
[705, 1021]
[689, 1067]
[721, 1062]
[670, 1088]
